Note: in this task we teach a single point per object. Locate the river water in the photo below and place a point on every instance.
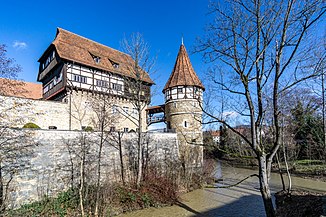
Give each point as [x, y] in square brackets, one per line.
[242, 200]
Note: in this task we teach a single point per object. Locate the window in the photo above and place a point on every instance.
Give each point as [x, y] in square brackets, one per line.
[48, 60]
[79, 78]
[112, 129]
[180, 90]
[101, 83]
[126, 109]
[114, 109]
[185, 124]
[46, 89]
[97, 60]
[116, 86]
[114, 64]
[59, 78]
[134, 112]
[96, 57]
[126, 129]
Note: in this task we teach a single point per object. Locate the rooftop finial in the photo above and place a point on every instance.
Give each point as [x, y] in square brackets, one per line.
[182, 39]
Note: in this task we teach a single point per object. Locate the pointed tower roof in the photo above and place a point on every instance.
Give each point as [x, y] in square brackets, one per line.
[183, 74]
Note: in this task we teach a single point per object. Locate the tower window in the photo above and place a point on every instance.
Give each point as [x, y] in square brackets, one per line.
[185, 124]
[126, 109]
[180, 90]
[114, 109]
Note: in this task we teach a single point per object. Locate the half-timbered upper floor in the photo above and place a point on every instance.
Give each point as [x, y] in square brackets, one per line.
[75, 62]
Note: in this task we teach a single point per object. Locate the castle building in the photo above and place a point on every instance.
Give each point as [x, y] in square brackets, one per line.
[74, 69]
[183, 99]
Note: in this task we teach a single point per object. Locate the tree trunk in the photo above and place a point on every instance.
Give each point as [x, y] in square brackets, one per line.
[81, 188]
[139, 139]
[139, 158]
[280, 171]
[99, 171]
[1, 190]
[121, 159]
[264, 187]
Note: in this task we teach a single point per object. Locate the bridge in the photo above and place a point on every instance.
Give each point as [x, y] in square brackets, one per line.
[155, 114]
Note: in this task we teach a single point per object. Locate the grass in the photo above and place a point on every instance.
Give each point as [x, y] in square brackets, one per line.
[307, 166]
[114, 199]
[61, 206]
[308, 162]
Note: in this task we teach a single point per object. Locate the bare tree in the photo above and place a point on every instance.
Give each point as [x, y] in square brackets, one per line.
[137, 88]
[101, 104]
[264, 48]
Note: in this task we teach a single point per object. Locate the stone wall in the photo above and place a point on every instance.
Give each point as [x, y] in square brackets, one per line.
[54, 162]
[185, 116]
[78, 111]
[15, 112]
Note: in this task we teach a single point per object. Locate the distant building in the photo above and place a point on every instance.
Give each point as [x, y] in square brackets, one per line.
[216, 136]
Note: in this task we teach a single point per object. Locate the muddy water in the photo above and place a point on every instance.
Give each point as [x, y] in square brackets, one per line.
[243, 200]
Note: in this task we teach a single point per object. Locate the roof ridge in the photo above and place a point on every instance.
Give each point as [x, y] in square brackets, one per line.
[83, 37]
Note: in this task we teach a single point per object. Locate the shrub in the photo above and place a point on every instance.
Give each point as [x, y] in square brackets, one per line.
[31, 125]
[88, 129]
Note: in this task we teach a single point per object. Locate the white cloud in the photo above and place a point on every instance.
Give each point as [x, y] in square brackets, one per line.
[230, 114]
[19, 45]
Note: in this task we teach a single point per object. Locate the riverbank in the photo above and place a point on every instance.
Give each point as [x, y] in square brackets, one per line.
[307, 169]
[300, 204]
[242, 200]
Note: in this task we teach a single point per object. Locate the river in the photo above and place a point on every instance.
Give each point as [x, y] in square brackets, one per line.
[242, 200]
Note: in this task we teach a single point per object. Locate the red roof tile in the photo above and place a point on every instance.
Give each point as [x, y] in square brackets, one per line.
[183, 74]
[76, 48]
[20, 89]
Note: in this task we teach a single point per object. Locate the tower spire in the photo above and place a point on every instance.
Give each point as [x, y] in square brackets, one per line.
[183, 74]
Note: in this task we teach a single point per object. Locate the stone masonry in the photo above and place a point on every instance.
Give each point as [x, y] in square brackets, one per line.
[55, 158]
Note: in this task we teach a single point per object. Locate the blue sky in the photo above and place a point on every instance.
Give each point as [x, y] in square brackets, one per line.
[28, 28]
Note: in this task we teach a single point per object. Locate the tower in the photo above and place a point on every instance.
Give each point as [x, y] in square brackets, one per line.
[183, 97]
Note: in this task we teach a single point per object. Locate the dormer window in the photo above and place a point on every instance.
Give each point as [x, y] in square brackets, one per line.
[114, 64]
[97, 59]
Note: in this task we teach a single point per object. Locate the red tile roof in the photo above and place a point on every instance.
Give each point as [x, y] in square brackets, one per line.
[20, 89]
[183, 74]
[76, 48]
